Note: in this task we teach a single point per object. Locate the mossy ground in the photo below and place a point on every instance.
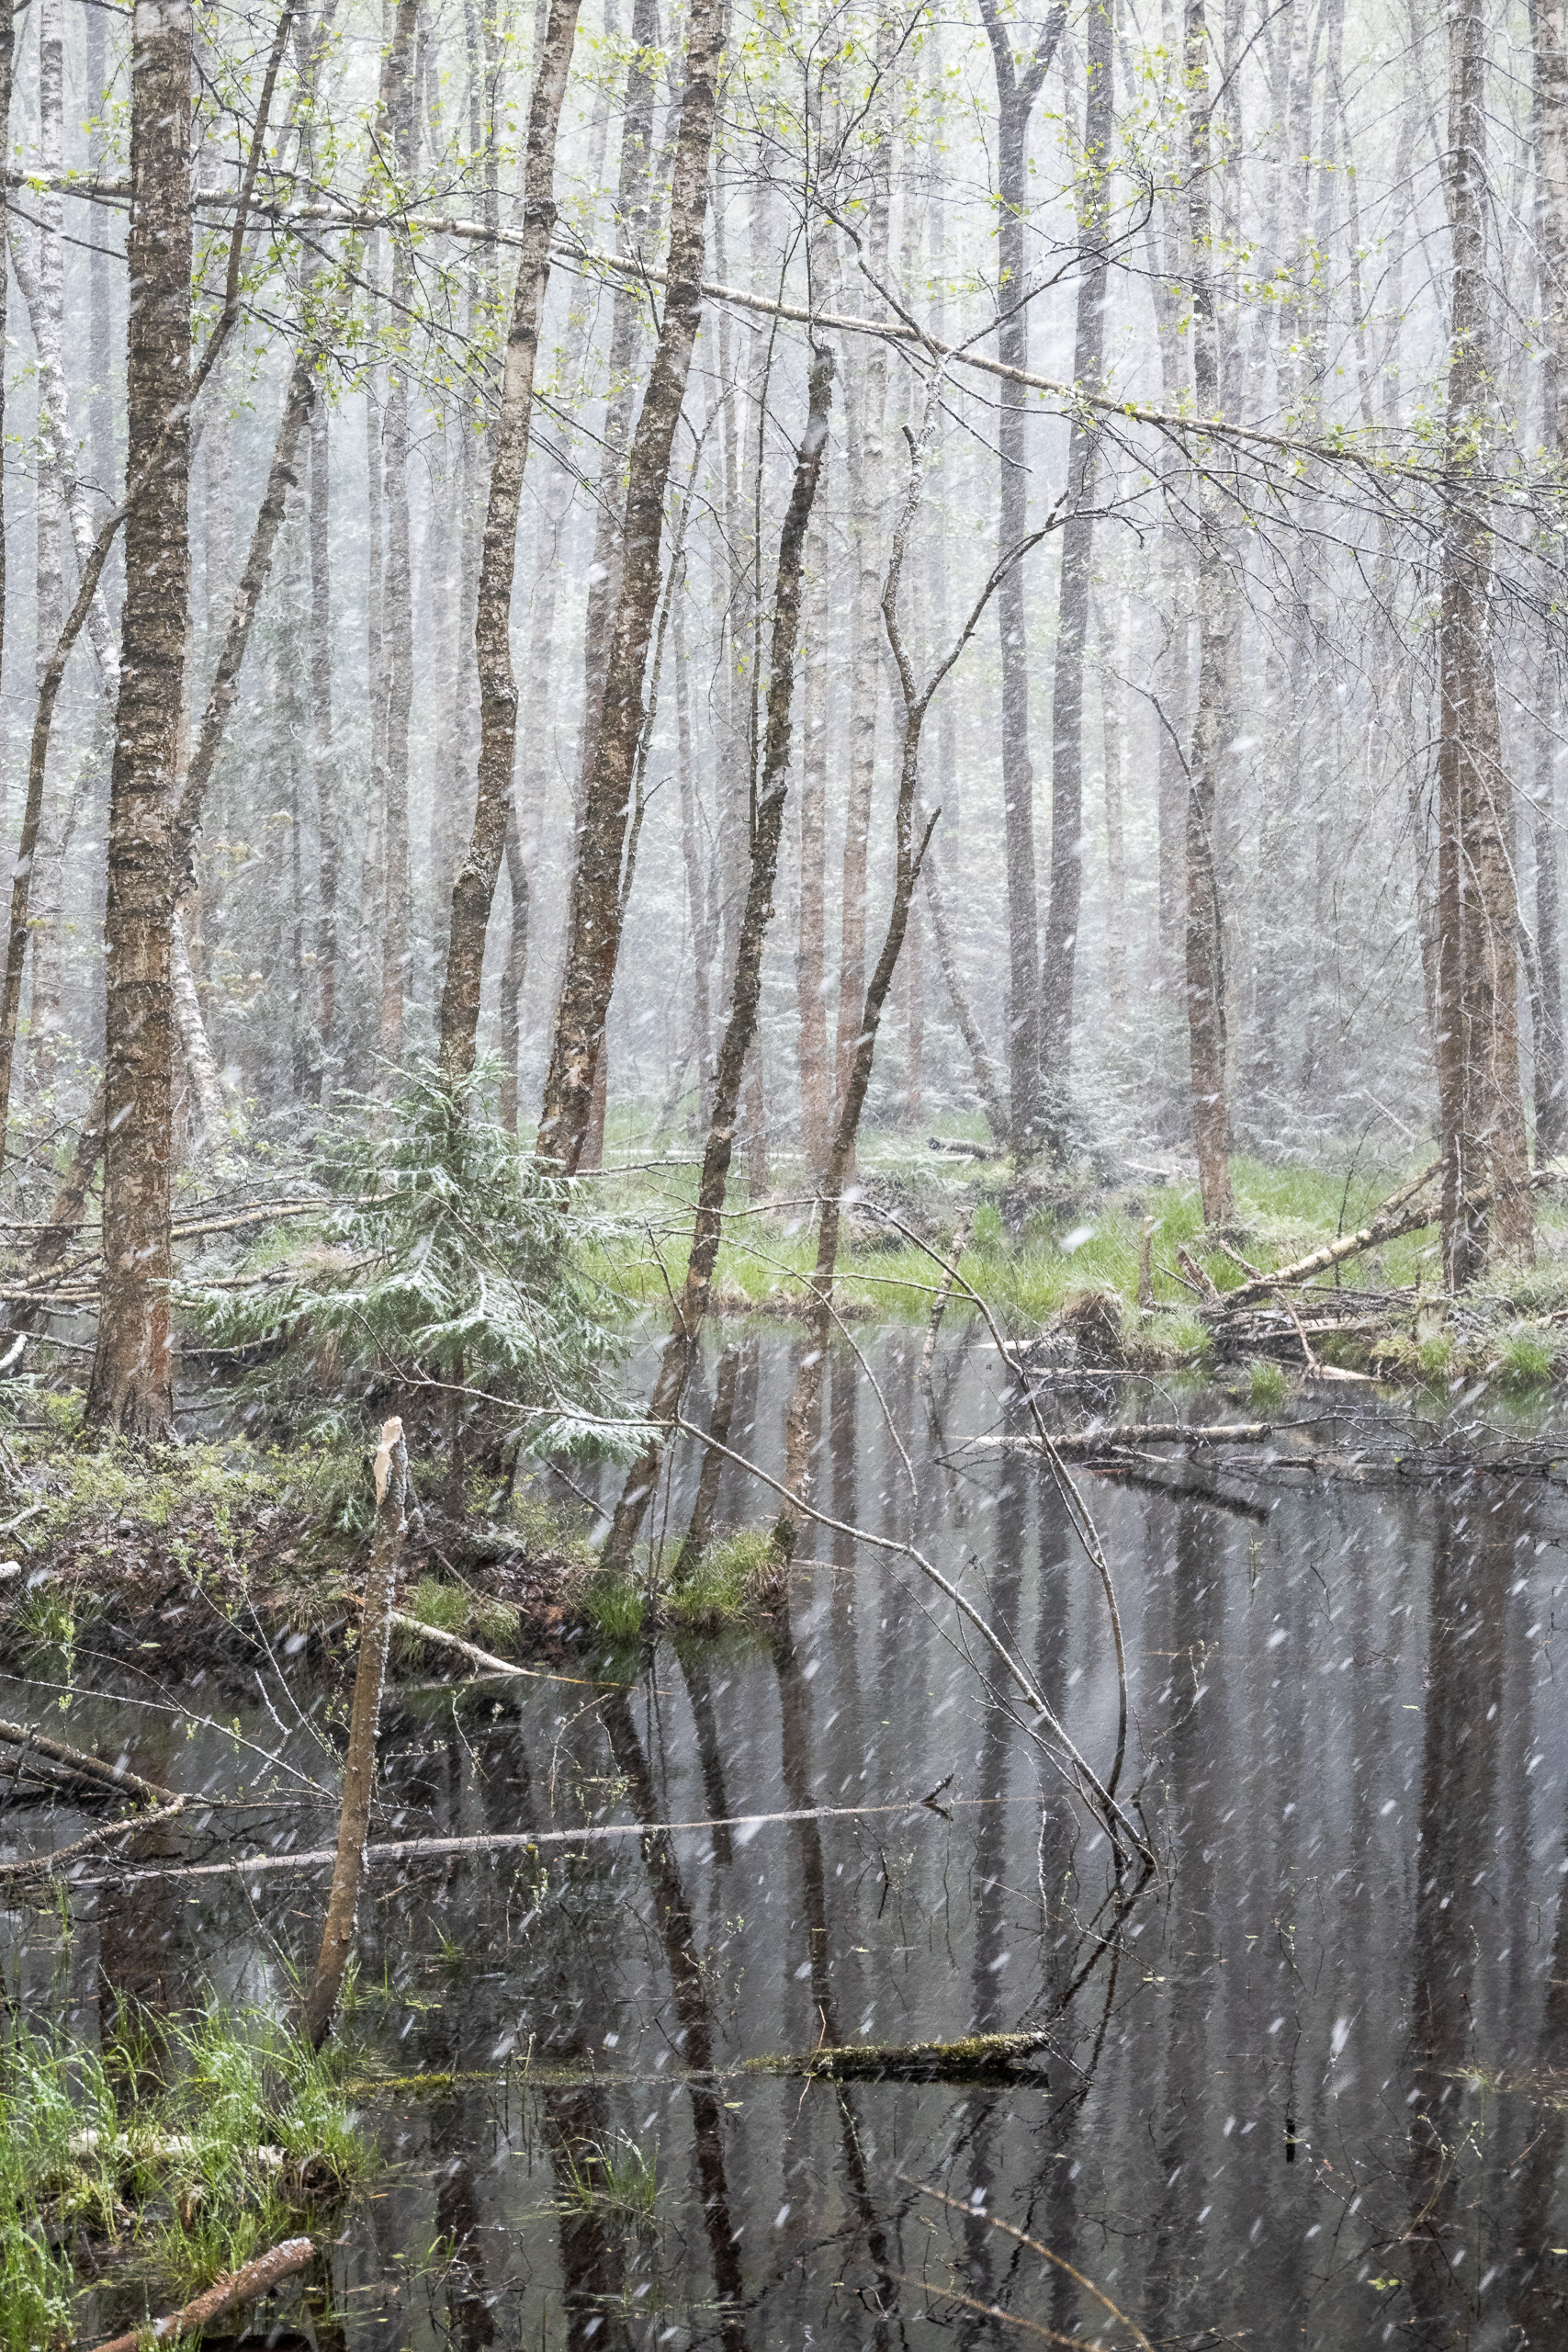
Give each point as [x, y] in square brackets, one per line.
[209, 1530]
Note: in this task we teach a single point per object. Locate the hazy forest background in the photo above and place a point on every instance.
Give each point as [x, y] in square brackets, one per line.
[1244, 789]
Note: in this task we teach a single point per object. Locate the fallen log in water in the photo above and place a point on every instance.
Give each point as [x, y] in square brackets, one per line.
[523, 1841]
[225, 2294]
[976, 2057]
[1105, 1437]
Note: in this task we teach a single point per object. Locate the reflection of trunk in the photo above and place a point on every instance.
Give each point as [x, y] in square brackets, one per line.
[475, 886]
[595, 922]
[739, 1035]
[1478, 1072]
[677, 1933]
[1205, 971]
[811, 946]
[132, 1387]
[699, 1529]
[795, 1743]
[1019, 84]
[1065, 913]
[1458, 1844]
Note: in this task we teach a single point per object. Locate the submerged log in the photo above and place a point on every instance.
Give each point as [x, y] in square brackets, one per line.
[976, 2057]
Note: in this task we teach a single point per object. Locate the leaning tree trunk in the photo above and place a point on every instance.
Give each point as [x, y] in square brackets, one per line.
[912, 840]
[131, 1385]
[474, 889]
[739, 1035]
[1063, 921]
[593, 922]
[1481, 1109]
[1205, 932]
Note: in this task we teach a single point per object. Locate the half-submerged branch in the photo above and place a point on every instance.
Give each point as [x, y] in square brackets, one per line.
[226, 2294]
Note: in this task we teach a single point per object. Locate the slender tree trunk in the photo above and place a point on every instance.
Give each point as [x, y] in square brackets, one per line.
[474, 889]
[398, 592]
[515, 970]
[605, 572]
[811, 948]
[867, 471]
[1112, 664]
[910, 847]
[739, 1036]
[7, 55]
[987, 1083]
[359, 1766]
[1205, 930]
[1550, 22]
[1063, 915]
[594, 919]
[696, 893]
[1018, 83]
[132, 1384]
[322, 758]
[1551, 1066]
[1480, 1104]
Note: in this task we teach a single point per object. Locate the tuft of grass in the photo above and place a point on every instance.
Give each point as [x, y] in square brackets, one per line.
[721, 1591]
[723, 1585]
[1525, 1359]
[1267, 1387]
[613, 1605]
[445, 1606]
[618, 2178]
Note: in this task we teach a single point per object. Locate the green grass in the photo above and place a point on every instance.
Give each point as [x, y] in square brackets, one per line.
[191, 2146]
[1525, 1359]
[619, 2179]
[720, 1591]
[1267, 1387]
[1280, 1214]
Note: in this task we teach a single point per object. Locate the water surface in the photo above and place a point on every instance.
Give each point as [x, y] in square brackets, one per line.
[1306, 2086]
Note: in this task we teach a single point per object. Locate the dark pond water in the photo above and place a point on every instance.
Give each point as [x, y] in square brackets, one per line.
[1308, 2086]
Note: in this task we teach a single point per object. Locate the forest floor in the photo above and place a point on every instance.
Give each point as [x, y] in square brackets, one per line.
[112, 1551]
